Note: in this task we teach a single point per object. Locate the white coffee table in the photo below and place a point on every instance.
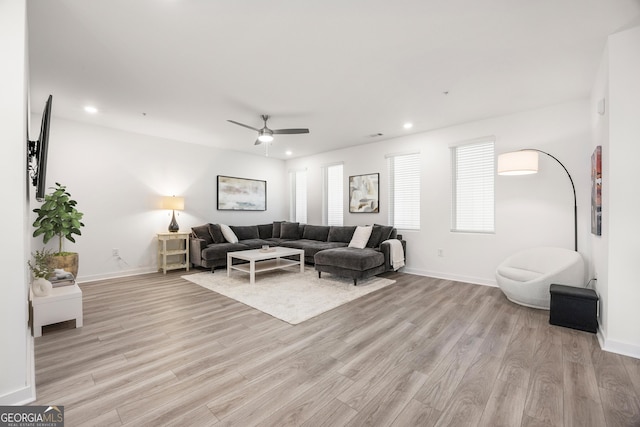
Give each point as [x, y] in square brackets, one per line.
[261, 260]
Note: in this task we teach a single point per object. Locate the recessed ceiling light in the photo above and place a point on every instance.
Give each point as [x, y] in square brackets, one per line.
[90, 109]
[408, 125]
[288, 153]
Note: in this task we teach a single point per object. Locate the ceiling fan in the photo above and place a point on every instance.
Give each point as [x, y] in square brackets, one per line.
[265, 134]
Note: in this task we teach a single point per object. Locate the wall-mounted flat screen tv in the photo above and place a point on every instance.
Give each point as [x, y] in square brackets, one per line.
[38, 153]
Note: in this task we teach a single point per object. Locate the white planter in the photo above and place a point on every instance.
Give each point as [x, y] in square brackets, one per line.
[41, 287]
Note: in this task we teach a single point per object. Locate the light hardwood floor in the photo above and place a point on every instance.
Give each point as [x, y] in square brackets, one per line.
[159, 350]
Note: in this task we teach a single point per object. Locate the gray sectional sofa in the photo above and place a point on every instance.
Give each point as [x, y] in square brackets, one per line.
[326, 247]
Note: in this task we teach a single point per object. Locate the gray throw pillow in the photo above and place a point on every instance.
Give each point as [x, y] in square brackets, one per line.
[202, 232]
[376, 237]
[277, 225]
[290, 230]
[216, 233]
[386, 232]
[245, 232]
[341, 233]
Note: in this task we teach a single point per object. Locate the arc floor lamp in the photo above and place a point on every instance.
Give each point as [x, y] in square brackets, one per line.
[524, 162]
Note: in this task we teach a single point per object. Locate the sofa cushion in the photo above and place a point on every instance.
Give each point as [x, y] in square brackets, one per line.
[218, 251]
[202, 232]
[277, 226]
[350, 258]
[376, 237]
[341, 233]
[228, 234]
[265, 231]
[518, 274]
[316, 232]
[255, 243]
[311, 247]
[360, 237]
[245, 232]
[290, 230]
[216, 233]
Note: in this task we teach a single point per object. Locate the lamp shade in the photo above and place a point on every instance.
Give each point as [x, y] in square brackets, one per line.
[523, 162]
[173, 203]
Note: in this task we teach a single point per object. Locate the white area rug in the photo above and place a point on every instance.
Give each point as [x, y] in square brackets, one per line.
[288, 295]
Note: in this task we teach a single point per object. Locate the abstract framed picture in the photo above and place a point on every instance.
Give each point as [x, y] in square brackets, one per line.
[364, 193]
[241, 194]
[596, 191]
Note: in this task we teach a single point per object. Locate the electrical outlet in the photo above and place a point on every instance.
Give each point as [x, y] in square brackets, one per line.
[115, 252]
[440, 253]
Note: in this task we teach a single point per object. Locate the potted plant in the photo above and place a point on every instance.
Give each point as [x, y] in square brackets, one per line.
[41, 269]
[58, 217]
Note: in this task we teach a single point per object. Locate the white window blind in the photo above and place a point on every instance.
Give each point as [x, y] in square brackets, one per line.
[334, 194]
[404, 191]
[298, 196]
[473, 174]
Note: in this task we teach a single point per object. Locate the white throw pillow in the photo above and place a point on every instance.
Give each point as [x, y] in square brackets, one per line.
[228, 234]
[360, 237]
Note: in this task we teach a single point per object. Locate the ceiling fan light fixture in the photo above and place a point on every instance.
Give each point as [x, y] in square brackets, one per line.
[265, 136]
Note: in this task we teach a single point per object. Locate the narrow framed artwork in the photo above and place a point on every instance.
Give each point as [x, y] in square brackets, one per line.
[596, 191]
[241, 194]
[364, 193]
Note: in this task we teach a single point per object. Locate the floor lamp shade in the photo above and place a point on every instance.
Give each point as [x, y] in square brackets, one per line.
[518, 163]
[174, 204]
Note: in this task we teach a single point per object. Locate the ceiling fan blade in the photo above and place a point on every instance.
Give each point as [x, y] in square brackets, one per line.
[289, 131]
[258, 142]
[243, 125]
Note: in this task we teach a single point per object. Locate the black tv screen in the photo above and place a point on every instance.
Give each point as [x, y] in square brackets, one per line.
[38, 153]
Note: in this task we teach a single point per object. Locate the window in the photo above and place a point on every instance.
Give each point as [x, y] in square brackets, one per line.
[473, 187]
[298, 180]
[404, 191]
[333, 195]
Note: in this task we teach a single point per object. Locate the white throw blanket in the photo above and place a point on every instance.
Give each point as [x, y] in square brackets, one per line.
[397, 253]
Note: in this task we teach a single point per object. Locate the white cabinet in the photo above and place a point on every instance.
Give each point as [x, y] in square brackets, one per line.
[63, 303]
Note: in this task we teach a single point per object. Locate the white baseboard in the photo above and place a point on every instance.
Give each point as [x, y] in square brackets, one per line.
[18, 397]
[26, 394]
[622, 348]
[454, 277]
[115, 275]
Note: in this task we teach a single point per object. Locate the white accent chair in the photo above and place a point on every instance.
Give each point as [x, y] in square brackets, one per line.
[525, 277]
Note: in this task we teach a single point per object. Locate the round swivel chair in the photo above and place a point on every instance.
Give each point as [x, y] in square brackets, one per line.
[525, 277]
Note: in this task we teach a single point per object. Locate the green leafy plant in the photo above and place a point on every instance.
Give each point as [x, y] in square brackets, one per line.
[58, 217]
[42, 266]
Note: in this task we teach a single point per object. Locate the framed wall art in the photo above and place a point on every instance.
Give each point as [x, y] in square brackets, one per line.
[364, 193]
[596, 191]
[241, 194]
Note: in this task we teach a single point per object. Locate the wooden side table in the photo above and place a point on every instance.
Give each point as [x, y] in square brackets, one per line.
[180, 250]
[63, 303]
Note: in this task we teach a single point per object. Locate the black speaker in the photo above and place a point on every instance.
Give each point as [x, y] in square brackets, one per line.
[575, 308]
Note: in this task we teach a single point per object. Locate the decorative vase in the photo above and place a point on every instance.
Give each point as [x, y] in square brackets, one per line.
[41, 287]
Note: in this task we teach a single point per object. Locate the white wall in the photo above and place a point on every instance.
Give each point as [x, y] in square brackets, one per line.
[16, 356]
[532, 210]
[621, 151]
[118, 179]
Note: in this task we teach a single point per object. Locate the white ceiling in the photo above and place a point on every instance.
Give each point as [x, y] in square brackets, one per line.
[346, 69]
